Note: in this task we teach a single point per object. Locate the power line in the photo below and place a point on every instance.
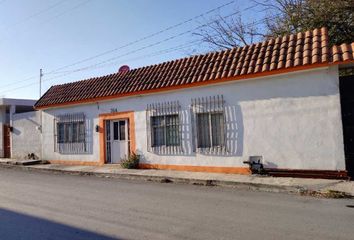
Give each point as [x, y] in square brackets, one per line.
[176, 48]
[36, 14]
[192, 43]
[160, 52]
[147, 46]
[23, 80]
[144, 38]
[153, 44]
[97, 65]
[48, 9]
[130, 43]
[68, 10]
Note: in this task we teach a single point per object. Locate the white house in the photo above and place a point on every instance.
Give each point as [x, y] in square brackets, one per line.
[278, 100]
[9, 107]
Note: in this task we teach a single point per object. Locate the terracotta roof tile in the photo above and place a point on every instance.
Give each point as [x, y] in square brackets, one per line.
[285, 52]
[347, 52]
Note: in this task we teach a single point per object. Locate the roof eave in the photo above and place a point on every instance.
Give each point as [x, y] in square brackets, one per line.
[195, 84]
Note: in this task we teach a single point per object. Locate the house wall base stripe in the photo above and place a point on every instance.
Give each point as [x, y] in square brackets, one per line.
[298, 173]
[230, 170]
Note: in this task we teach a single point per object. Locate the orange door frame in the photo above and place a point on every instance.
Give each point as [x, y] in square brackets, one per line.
[102, 131]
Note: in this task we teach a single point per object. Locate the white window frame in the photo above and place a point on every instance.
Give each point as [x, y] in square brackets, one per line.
[165, 143]
[209, 105]
[70, 134]
[210, 131]
[163, 110]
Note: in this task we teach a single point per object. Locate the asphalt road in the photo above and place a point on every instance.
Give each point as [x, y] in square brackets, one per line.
[39, 206]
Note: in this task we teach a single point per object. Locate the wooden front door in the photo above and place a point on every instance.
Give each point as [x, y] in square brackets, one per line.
[7, 145]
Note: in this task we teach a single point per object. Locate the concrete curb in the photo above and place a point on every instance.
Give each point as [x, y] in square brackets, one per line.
[168, 179]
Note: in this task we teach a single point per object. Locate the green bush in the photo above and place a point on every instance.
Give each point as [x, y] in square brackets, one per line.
[132, 162]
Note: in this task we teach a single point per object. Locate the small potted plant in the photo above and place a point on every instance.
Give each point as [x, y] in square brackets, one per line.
[132, 162]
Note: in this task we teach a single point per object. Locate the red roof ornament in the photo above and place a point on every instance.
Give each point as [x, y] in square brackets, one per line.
[124, 69]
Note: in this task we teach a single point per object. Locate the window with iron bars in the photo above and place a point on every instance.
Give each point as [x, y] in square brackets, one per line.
[210, 130]
[209, 124]
[164, 128]
[70, 134]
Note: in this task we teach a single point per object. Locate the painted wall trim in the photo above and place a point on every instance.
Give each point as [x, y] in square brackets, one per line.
[210, 169]
[102, 131]
[196, 84]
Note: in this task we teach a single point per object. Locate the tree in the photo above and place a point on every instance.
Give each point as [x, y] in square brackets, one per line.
[284, 17]
[233, 32]
[302, 15]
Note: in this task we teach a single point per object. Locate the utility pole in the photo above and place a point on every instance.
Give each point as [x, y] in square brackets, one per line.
[40, 82]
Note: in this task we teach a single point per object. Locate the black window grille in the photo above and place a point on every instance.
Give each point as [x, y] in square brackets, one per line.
[70, 134]
[164, 128]
[209, 128]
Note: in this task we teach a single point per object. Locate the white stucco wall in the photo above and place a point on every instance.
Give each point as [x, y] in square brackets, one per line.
[292, 120]
[25, 135]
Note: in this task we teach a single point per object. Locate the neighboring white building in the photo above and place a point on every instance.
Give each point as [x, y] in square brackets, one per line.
[279, 99]
[9, 107]
[26, 135]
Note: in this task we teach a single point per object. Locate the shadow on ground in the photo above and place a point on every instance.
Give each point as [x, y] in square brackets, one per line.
[14, 226]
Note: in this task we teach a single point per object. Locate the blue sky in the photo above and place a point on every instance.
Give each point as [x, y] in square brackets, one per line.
[50, 34]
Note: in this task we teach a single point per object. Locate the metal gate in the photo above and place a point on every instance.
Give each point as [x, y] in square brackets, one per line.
[347, 104]
[7, 144]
